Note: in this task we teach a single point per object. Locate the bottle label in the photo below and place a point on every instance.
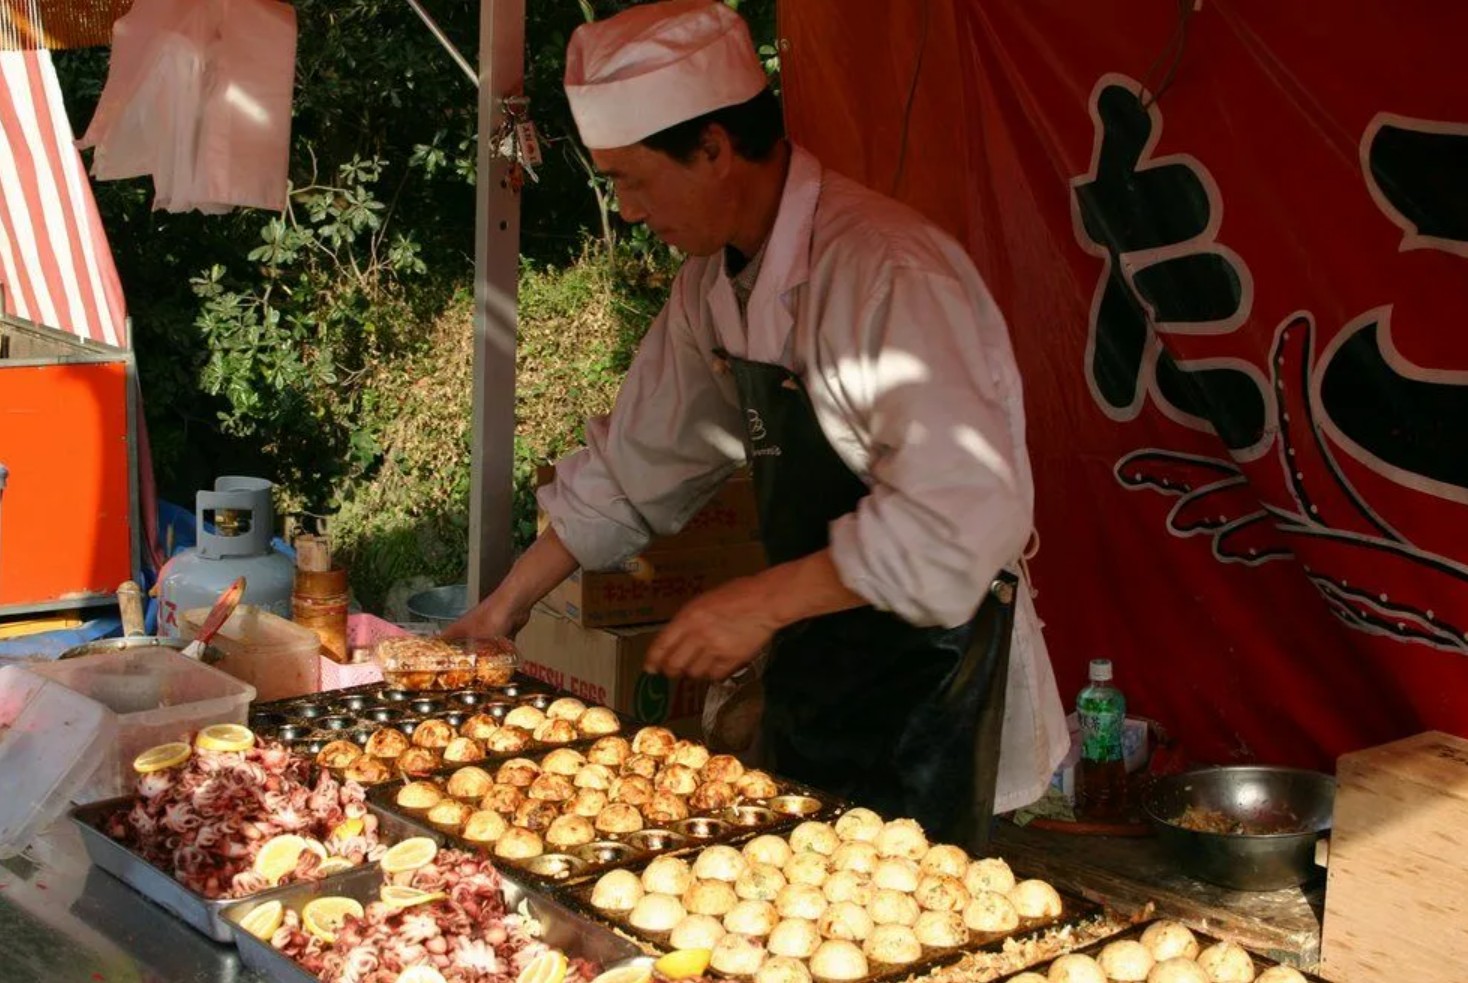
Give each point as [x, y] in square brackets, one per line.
[1101, 731]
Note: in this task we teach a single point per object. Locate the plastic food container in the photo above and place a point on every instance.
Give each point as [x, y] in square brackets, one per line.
[419, 664]
[50, 740]
[276, 656]
[154, 696]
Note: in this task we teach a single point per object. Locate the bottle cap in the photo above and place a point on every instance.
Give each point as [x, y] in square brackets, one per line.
[1100, 670]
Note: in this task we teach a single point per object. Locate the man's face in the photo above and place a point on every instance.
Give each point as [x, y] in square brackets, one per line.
[685, 205]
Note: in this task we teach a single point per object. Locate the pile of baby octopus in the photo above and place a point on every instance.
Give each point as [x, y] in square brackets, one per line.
[469, 935]
[206, 819]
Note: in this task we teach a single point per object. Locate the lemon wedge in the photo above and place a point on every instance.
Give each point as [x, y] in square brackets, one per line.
[626, 974]
[348, 828]
[683, 964]
[225, 737]
[335, 865]
[263, 921]
[548, 967]
[412, 853]
[278, 856]
[163, 756]
[406, 897]
[324, 917]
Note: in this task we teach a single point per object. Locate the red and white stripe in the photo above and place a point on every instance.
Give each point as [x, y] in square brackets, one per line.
[55, 265]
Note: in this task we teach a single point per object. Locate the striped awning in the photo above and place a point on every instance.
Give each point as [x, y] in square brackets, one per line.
[56, 267]
[31, 25]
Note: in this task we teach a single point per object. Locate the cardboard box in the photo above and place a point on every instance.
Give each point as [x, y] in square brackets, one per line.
[1395, 904]
[730, 518]
[652, 586]
[604, 666]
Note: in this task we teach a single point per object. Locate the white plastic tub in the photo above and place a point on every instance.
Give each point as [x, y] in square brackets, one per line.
[50, 736]
[156, 695]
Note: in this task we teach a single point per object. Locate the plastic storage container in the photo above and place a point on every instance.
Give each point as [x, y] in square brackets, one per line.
[414, 663]
[278, 657]
[155, 695]
[50, 741]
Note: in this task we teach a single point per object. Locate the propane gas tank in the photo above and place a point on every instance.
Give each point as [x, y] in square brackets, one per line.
[243, 520]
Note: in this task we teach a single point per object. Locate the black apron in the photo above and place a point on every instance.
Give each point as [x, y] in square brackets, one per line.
[901, 719]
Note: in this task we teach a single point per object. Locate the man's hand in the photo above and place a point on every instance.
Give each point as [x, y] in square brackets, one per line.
[504, 612]
[716, 634]
[488, 619]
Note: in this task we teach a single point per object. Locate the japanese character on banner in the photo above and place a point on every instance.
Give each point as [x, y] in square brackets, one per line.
[1155, 222]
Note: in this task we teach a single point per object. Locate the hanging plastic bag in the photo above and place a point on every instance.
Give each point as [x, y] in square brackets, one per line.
[732, 712]
[198, 96]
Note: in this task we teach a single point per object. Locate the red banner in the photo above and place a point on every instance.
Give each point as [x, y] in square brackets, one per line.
[1231, 240]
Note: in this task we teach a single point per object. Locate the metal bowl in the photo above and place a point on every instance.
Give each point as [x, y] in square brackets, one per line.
[111, 646]
[1296, 799]
[440, 606]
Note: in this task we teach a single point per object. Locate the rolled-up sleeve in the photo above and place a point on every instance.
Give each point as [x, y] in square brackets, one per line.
[932, 375]
[672, 437]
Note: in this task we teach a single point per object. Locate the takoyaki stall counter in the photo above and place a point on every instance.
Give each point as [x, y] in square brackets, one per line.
[505, 833]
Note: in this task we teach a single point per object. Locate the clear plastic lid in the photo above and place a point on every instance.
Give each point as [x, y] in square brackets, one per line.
[415, 663]
[50, 743]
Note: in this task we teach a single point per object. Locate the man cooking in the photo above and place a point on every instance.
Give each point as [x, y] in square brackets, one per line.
[849, 351]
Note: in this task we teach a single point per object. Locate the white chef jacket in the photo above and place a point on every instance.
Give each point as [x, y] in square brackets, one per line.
[910, 371]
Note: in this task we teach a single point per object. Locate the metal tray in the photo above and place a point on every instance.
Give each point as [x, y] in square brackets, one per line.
[1075, 911]
[1261, 963]
[162, 889]
[168, 948]
[563, 929]
[553, 870]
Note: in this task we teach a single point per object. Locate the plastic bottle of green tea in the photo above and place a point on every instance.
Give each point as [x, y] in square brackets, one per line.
[1101, 774]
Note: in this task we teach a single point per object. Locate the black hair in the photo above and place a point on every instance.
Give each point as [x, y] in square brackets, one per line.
[754, 126]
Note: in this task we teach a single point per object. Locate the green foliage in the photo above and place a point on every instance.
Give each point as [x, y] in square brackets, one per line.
[579, 327]
[289, 344]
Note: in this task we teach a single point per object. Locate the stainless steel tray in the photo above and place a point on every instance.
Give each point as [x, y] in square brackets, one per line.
[169, 948]
[1261, 963]
[191, 907]
[563, 929]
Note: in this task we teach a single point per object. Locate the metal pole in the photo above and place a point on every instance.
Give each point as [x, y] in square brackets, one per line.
[496, 266]
[443, 39]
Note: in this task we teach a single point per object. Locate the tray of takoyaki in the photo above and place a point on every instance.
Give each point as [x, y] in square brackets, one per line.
[857, 899]
[567, 815]
[376, 734]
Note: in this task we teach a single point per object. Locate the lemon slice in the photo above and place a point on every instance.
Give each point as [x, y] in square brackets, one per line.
[406, 897]
[626, 974]
[225, 737]
[335, 865]
[324, 917]
[348, 828]
[316, 847]
[263, 921]
[160, 757]
[548, 967]
[683, 963]
[422, 973]
[412, 853]
[278, 856]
